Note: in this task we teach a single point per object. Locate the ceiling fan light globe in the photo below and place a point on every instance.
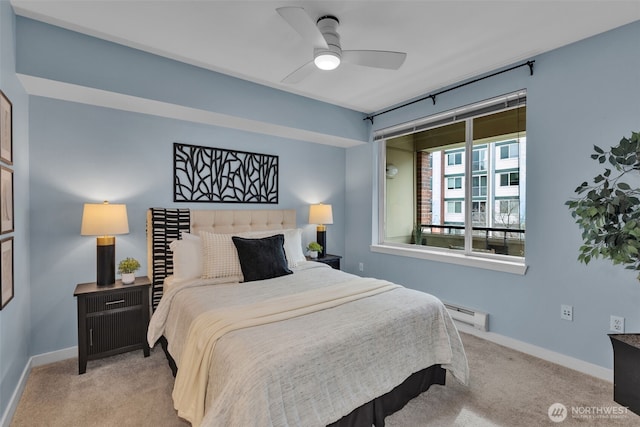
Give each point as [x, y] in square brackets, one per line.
[327, 61]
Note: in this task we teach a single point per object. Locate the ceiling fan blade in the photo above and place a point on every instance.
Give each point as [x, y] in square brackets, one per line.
[304, 25]
[300, 74]
[375, 58]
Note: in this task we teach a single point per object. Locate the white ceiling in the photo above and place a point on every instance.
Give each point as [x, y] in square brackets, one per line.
[446, 41]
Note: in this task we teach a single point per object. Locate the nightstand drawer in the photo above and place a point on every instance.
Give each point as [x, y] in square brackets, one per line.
[113, 300]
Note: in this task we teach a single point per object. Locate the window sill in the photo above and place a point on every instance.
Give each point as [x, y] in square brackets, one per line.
[515, 266]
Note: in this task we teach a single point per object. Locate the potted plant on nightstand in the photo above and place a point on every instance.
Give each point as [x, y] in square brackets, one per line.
[127, 268]
[314, 248]
[608, 212]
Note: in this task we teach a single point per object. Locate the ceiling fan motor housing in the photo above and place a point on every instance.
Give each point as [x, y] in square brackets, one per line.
[328, 26]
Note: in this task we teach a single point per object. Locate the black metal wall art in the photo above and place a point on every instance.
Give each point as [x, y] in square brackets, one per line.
[214, 175]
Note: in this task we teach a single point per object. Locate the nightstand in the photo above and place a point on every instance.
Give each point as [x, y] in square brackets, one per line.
[331, 260]
[112, 319]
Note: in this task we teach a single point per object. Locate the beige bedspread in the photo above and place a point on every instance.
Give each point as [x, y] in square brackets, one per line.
[313, 369]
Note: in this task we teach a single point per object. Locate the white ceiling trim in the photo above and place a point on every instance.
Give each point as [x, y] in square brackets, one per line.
[38, 86]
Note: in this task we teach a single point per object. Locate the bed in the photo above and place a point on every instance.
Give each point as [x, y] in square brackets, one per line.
[257, 335]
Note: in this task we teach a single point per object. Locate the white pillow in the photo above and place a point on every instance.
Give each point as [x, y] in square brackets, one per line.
[187, 257]
[219, 257]
[292, 243]
[293, 247]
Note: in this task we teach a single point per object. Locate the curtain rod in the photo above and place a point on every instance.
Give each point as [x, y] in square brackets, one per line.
[433, 95]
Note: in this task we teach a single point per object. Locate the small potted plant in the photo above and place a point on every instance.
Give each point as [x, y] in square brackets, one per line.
[314, 248]
[127, 269]
[417, 234]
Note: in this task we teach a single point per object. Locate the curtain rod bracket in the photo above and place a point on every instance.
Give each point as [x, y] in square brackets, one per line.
[370, 118]
[530, 64]
[433, 99]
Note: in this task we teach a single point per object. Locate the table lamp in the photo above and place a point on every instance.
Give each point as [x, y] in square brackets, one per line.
[321, 214]
[105, 220]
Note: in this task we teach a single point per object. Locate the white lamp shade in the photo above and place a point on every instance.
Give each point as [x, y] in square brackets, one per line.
[320, 214]
[104, 219]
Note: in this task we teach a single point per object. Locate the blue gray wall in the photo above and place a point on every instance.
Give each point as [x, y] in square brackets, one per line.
[15, 321]
[580, 95]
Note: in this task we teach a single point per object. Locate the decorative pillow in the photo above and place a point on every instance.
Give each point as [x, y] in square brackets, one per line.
[262, 258]
[219, 257]
[292, 243]
[187, 257]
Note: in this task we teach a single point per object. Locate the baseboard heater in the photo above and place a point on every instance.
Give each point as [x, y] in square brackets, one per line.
[477, 319]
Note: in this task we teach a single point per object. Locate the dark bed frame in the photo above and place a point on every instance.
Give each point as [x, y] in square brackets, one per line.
[165, 225]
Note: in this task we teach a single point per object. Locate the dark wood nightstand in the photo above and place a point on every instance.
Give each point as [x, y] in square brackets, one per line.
[330, 260]
[112, 319]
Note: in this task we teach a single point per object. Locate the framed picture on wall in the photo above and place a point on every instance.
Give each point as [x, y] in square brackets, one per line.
[6, 200]
[6, 271]
[6, 129]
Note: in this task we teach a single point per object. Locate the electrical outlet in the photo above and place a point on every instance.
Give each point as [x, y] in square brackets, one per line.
[616, 324]
[566, 312]
[361, 266]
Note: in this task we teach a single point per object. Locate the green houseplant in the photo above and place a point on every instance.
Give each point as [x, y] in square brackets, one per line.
[417, 234]
[314, 248]
[127, 268]
[608, 210]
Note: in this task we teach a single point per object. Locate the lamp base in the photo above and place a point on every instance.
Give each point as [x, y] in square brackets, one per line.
[106, 264]
[321, 238]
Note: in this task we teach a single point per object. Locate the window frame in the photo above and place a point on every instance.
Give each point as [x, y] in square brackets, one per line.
[496, 262]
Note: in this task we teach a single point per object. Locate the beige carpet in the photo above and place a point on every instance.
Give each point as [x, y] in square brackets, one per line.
[507, 389]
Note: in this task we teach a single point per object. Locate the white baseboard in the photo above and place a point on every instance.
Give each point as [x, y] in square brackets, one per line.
[34, 361]
[542, 353]
[5, 421]
[54, 356]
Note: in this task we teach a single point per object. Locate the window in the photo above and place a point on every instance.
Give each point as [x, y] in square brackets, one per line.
[454, 207]
[454, 183]
[479, 185]
[478, 212]
[474, 203]
[509, 179]
[507, 214]
[454, 159]
[479, 159]
[509, 151]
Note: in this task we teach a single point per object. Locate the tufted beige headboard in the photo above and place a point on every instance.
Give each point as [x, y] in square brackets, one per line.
[164, 225]
[238, 221]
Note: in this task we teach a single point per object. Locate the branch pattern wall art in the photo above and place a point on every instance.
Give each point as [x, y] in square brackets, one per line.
[214, 175]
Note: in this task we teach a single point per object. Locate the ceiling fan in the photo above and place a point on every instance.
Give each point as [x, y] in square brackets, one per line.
[327, 52]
